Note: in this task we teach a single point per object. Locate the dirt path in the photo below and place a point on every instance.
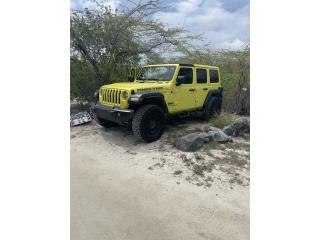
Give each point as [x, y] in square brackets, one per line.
[124, 189]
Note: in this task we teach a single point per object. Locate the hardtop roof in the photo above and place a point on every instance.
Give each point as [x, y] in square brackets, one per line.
[182, 64]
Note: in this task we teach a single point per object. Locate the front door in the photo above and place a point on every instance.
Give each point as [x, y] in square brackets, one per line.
[184, 94]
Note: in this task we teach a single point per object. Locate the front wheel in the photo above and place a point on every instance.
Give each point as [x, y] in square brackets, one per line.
[148, 123]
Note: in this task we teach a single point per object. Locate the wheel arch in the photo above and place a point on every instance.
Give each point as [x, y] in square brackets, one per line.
[213, 93]
[149, 98]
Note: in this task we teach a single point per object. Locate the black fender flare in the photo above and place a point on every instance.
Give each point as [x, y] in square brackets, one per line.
[139, 99]
[213, 93]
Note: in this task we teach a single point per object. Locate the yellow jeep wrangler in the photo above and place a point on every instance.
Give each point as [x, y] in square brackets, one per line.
[158, 92]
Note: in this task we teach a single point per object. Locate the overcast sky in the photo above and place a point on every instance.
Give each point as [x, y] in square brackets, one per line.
[224, 24]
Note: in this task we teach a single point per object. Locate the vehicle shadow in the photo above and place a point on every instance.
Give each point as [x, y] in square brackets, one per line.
[175, 127]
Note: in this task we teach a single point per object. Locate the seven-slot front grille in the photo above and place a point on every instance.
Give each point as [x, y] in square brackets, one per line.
[111, 96]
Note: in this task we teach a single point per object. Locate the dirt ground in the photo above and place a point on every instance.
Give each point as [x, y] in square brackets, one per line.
[123, 189]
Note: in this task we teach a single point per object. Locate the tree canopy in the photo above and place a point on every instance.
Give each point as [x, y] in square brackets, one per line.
[105, 44]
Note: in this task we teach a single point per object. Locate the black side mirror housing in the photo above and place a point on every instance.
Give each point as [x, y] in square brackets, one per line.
[180, 80]
[130, 78]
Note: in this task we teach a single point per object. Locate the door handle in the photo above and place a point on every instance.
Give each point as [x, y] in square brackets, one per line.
[191, 89]
[205, 88]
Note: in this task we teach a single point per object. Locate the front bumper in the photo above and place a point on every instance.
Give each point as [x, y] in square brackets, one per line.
[112, 114]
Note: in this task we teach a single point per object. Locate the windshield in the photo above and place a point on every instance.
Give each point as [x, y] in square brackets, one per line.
[159, 73]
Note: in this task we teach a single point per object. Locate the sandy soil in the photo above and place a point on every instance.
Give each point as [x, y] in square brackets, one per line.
[122, 189]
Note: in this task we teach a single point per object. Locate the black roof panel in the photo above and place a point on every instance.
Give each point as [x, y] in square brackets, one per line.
[186, 64]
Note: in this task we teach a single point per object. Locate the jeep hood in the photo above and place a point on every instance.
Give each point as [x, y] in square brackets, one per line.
[136, 86]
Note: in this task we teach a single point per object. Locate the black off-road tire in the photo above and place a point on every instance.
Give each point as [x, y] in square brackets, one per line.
[212, 109]
[148, 123]
[105, 123]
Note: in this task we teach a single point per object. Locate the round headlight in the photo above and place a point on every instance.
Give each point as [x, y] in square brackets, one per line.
[125, 94]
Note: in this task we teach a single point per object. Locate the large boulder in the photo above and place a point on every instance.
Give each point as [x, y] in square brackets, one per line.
[216, 134]
[192, 142]
[238, 127]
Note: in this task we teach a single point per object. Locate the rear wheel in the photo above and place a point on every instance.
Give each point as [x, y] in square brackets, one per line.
[213, 108]
[105, 123]
[148, 123]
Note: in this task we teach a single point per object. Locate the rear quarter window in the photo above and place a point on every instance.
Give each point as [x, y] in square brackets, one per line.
[214, 76]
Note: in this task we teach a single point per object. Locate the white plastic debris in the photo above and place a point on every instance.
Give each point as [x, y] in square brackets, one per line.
[80, 118]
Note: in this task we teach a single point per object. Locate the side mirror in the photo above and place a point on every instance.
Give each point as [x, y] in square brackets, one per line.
[180, 80]
[130, 78]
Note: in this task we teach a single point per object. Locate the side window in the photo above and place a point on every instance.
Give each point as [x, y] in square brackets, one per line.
[214, 76]
[187, 75]
[201, 76]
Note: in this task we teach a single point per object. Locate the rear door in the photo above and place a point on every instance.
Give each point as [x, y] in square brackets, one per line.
[201, 86]
[184, 94]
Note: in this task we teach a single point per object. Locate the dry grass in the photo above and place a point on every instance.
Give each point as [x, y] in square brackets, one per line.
[198, 157]
[199, 169]
[177, 172]
[222, 120]
[187, 161]
[230, 145]
[213, 145]
[232, 159]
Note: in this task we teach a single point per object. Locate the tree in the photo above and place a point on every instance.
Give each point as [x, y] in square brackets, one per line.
[105, 44]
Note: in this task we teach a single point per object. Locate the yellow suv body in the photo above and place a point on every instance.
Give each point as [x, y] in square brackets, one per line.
[158, 92]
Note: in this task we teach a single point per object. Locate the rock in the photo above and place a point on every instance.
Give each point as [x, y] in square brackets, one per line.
[238, 127]
[192, 141]
[216, 134]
